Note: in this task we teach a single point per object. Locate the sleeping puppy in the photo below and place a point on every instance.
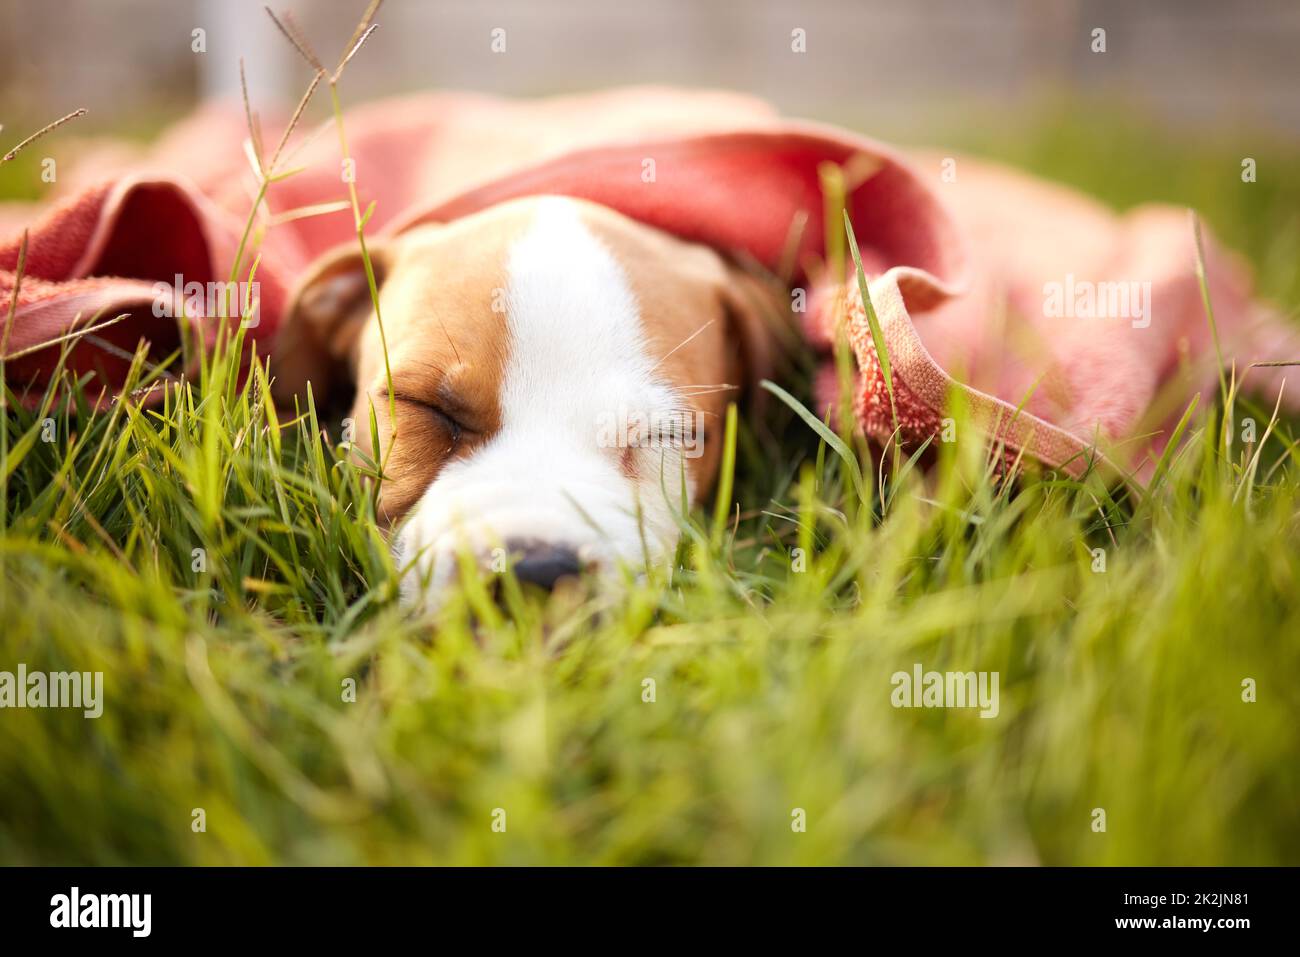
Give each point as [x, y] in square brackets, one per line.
[560, 375]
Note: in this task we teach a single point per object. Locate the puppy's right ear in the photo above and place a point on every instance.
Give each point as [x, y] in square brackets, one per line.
[319, 336]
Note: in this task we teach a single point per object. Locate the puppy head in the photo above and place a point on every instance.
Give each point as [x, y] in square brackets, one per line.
[559, 375]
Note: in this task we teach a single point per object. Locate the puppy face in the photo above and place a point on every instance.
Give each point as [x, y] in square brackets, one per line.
[559, 376]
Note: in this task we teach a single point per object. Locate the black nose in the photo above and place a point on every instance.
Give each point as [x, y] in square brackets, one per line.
[542, 563]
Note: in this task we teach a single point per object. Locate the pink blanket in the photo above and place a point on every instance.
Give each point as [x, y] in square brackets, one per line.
[1067, 328]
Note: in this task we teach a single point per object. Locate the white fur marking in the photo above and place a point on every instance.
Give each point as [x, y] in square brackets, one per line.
[576, 350]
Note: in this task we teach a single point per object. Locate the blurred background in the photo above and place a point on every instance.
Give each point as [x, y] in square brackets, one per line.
[895, 68]
[1183, 91]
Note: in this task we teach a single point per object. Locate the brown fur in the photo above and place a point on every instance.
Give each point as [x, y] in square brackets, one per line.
[448, 345]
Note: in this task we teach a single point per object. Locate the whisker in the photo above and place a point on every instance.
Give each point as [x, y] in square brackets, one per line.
[710, 390]
[664, 357]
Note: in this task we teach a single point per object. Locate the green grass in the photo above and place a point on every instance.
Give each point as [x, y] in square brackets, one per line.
[1120, 690]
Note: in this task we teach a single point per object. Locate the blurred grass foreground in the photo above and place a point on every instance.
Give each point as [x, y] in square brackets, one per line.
[272, 704]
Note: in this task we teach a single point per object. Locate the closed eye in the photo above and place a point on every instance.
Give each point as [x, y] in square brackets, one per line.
[444, 418]
[677, 428]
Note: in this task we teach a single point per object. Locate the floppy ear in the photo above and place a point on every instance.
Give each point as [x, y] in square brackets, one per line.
[757, 317]
[318, 339]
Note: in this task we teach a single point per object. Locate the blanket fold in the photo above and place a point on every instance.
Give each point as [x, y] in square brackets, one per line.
[1065, 326]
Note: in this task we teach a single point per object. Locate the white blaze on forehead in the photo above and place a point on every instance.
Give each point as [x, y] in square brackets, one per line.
[576, 343]
[576, 353]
